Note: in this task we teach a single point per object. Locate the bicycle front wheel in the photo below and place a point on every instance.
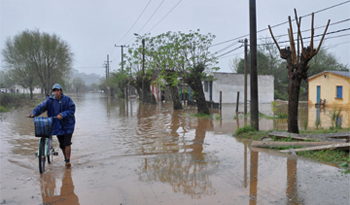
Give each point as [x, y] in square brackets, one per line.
[50, 150]
[41, 156]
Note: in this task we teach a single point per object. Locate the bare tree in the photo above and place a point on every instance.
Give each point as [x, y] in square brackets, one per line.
[40, 54]
[297, 65]
[234, 64]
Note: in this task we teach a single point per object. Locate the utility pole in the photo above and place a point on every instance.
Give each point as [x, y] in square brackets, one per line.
[127, 90]
[122, 53]
[107, 67]
[143, 70]
[143, 66]
[254, 104]
[106, 64]
[245, 75]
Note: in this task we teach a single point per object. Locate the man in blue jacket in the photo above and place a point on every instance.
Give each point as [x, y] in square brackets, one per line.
[63, 108]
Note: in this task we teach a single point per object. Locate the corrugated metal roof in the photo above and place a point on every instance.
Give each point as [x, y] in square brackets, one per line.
[342, 73]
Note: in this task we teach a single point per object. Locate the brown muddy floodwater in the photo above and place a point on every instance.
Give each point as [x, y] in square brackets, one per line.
[126, 153]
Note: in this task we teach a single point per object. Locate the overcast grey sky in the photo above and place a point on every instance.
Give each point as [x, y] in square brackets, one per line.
[92, 28]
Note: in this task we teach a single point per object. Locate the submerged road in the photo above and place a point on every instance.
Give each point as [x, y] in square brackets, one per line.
[127, 153]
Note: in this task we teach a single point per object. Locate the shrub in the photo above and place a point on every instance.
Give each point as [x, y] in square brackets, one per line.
[244, 129]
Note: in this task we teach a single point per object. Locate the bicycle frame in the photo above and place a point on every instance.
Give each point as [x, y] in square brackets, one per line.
[48, 146]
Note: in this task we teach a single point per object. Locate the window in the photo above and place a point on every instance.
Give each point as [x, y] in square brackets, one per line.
[339, 91]
[205, 86]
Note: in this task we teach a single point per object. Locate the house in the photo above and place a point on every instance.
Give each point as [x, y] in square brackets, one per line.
[231, 83]
[332, 87]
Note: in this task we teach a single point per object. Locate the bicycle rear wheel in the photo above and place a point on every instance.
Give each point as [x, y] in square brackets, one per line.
[41, 156]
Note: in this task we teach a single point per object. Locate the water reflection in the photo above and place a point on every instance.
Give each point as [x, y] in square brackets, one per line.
[292, 188]
[322, 117]
[253, 191]
[188, 168]
[309, 117]
[50, 194]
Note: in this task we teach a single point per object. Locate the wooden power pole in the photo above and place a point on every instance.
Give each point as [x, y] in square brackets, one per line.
[254, 103]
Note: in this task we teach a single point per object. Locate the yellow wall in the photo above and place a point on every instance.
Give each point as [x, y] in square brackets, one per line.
[329, 89]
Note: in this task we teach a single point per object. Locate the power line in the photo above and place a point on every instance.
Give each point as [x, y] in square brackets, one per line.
[295, 40]
[341, 21]
[230, 51]
[234, 54]
[134, 22]
[326, 8]
[165, 15]
[151, 16]
[234, 43]
[319, 35]
[280, 24]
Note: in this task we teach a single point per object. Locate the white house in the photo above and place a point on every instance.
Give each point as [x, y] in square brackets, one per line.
[231, 83]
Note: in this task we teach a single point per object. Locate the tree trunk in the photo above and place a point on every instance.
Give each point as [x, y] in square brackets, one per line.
[170, 77]
[293, 103]
[31, 92]
[111, 92]
[175, 97]
[200, 98]
[194, 80]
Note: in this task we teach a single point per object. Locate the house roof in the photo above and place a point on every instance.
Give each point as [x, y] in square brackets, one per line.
[341, 73]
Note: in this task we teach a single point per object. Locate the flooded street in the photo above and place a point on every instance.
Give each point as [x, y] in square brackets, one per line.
[127, 153]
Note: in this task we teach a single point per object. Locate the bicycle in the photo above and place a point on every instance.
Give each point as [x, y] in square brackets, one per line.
[43, 128]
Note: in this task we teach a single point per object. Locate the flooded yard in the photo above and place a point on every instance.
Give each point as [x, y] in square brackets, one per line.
[129, 153]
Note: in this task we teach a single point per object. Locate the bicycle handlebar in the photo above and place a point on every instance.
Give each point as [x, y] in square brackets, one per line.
[29, 116]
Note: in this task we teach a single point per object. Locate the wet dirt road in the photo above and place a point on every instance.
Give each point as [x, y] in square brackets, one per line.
[123, 153]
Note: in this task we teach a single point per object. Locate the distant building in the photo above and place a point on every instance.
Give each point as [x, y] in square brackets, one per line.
[231, 83]
[19, 89]
[332, 86]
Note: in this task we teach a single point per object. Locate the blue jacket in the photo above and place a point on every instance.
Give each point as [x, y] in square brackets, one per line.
[55, 106]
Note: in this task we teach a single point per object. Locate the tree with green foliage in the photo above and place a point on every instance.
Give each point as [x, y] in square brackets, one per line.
[186, 55]
[5, 79]
[119, 79]
[164, 51]
[195, 62]
[171, 55]
[78, 84]
[134, 71]
[33, 55]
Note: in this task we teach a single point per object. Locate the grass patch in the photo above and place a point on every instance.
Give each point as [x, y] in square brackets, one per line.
[245, 129]
[248, 132]
[216, 117]
[202, 115]
[4, 109]
[10, 101]
[290, 139]
[335, 156]
[324, 131]
[285, 147]
[329, 156]
[279, 116]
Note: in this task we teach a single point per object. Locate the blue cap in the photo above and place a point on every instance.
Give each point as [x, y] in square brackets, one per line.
[57, 86]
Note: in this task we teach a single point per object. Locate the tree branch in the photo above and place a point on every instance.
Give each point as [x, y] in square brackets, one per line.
[274, 40]
[324, 33]
[312, 36]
